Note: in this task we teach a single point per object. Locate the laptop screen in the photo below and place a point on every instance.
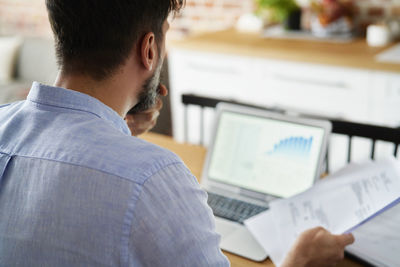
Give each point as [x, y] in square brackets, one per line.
[265, 155]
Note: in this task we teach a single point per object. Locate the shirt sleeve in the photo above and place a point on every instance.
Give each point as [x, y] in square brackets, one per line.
[173, 224]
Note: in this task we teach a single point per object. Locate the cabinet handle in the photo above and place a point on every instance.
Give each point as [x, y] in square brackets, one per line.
[286, 78]
[213, 69]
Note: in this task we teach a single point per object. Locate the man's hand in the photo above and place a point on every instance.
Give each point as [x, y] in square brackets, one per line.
[142, 122]
[317, 247]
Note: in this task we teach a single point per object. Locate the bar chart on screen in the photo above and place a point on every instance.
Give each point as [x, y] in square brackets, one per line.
[296, 147]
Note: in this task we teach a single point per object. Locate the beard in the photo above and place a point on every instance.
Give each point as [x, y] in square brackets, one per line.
[149, 93]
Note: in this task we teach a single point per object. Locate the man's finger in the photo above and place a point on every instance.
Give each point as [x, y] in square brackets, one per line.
[345, 239]
[129, 118]
[159, 104]
[163, 90]
[155, 115]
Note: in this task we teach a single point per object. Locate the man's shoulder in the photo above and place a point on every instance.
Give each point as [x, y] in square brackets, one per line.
[2, 106]
[82, 140]
[10, 107]
[147, 158]
[126, 156]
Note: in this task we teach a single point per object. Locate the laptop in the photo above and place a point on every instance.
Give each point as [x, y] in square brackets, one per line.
[256, 156]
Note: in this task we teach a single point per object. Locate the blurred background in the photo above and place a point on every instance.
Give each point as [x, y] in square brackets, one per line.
[29, 17]
[333, 58]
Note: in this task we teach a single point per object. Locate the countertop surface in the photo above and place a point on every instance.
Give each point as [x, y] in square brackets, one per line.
[353, 54]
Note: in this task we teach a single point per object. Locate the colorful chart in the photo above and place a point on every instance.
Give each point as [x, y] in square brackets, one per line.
[293, 147]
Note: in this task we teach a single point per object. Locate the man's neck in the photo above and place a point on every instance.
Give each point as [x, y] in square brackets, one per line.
[113, 91]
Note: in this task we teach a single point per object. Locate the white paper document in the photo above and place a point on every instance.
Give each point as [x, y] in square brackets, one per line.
[340, 204]
[378, 241]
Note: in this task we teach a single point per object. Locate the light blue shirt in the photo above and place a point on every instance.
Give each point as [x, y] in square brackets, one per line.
[76, 189]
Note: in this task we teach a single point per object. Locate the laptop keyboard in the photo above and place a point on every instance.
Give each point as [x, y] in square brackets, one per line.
[232, 209]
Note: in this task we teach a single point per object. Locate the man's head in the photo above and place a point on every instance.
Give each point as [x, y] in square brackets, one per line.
[95, 37]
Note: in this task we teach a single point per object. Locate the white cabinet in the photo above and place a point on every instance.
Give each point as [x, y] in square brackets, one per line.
[352, 94]
[385, 98]
[205, 74]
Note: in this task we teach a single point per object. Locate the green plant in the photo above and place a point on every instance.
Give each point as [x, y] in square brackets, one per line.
[279, 10]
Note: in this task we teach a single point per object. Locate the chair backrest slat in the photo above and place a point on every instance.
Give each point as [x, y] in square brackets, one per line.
[186, 123]
[349, 149]
[202, 126]
[327, 160]
[373, 149]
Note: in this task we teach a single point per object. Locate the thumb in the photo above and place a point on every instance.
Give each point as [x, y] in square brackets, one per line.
[345, 239]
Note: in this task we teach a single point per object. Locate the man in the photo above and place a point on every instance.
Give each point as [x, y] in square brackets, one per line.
[76, 189]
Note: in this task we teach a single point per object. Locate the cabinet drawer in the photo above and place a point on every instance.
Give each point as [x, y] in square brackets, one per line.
[316, 89]
[210, 74]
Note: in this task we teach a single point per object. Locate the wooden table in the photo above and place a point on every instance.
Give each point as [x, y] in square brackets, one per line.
[193, 156]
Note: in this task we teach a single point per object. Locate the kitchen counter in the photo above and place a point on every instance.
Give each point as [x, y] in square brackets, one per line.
[354, 54]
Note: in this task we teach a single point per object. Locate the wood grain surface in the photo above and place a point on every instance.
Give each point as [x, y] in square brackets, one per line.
[354, 54]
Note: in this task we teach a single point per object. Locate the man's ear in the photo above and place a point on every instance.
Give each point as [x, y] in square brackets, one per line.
[148, 51]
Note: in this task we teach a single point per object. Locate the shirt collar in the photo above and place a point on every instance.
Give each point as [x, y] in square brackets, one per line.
[65, 98]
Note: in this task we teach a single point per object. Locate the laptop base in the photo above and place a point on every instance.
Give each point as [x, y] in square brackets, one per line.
[236, 239]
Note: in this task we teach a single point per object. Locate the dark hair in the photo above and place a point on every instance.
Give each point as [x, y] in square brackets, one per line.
[94, 37]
